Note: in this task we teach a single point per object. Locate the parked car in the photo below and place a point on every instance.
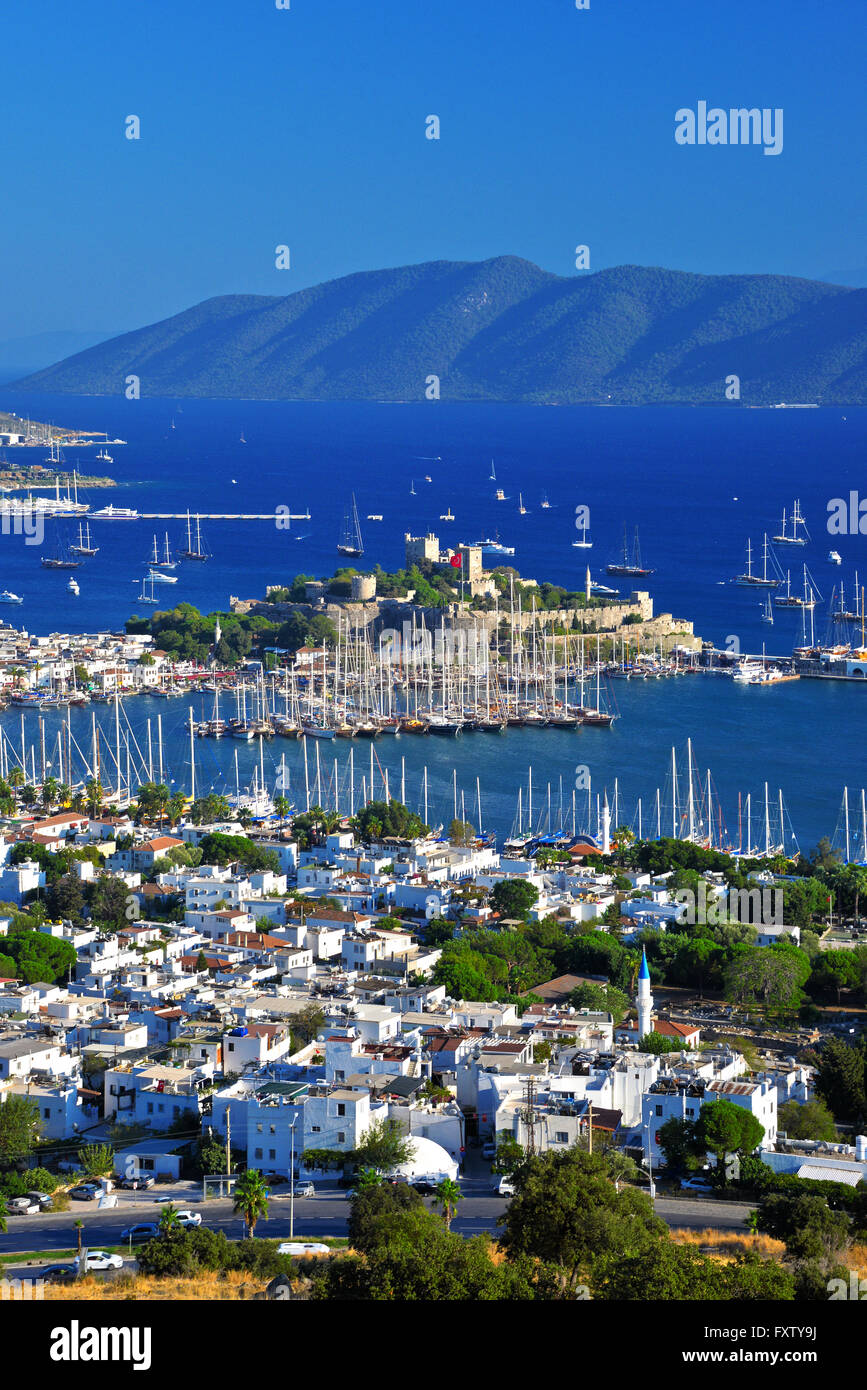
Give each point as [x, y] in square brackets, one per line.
[141, 1233]
[22, 1206]
[189, 1218]
[137, 1184]
[43, 1200]
[85, 1192]
[302, 1247]
[489, 1149]
[696, 1185]
[425, 1186]
[58, 1274]
[505, 1187]
[274, 1179]
[305, 1189]
[98, 1260]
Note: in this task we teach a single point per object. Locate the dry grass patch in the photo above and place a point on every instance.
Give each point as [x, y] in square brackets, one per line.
[208, 1286]
[727, 1245]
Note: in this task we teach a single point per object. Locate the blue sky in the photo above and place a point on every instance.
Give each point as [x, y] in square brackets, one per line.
[306, 127]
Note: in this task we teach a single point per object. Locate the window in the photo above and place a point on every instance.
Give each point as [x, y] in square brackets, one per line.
[341, 1108]
[339, 1076]
[561, 1137]
[231, 1047]
[315, 1129]
[272, 1153]
[46, 1114]
[258, 1129]
[341, 1136]
[257, 1153]
[150, 1107]
[659, 1109]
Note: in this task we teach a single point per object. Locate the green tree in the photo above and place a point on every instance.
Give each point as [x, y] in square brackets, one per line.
[681, 1145]
[20, 1126]
[513, 897]
[567, 1212]
[170, 1220]
[250, 1198]
[97, 1160]
[810, 1120]
[810, 1229]
[383, 1146]
[658, 1044]
[723, 1127]
[840, 1080]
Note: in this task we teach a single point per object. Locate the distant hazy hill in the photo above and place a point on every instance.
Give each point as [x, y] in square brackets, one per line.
[499, 330]
[41, 349]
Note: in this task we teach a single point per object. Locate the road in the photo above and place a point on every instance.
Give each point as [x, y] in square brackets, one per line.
[326, 1214]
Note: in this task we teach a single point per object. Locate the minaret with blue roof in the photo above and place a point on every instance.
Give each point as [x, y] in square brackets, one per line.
[645, 999]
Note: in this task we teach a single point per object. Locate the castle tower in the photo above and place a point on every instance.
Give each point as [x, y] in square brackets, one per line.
[645, 999]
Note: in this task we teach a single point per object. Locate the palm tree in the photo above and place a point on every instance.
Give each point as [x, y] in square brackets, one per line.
[245, 817]
[175, 807]
[63, 793]
[251, 1198]
[169, 1220]
[447, 1195]
[16, 777]
[78, 803]
[79, 1226]
[281, 806]
[93, 793]
[49, 791]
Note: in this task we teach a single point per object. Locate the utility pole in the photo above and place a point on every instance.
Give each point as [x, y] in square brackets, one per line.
[228, 1139]
[590, 1127]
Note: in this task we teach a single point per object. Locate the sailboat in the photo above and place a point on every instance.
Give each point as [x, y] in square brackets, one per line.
[84, 546]
[447, 515]
[631, 567]
[144, 596]
[522, 510]
[493, 476]
[350, 542]
[768, 612]
[545, 504]
[797, 520]
[242, 440]
[190, 553]
[583, 543]
[165, 563]
[104, 456]
[61, 559]
[750, 580]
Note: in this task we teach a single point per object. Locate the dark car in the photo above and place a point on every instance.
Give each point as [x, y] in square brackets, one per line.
[425, 1187]
[141, 1233]
[345, 1180]
[42, 1199]
[58, 1274]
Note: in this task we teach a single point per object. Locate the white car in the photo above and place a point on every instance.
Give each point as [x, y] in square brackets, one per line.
[505, 1187]
[189, 1218]
[302, 1247]
[98, 1260]
[696, 1185]
[305, 1189]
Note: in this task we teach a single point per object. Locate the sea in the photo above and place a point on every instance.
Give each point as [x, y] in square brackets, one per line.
[696, 482]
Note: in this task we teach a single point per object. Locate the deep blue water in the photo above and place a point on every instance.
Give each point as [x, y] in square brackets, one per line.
[674, 472]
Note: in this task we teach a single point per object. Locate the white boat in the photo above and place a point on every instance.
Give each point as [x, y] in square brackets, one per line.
[111, 513]
[500, 496]
[447, 516]
[157, 577]
[797, 520]
[166, 563]
[104, 456]
[834, 558]
[494, 547]
[8, 597]
[72, 586]
[374, 516]
[583, 542]
[545, 504]
[144, 596]
[521, 508]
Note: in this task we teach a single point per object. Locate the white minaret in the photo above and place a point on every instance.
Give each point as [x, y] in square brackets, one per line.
[606, 824]
[645, 999]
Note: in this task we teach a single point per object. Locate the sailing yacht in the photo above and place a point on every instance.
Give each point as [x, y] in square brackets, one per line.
[61, 559]
[190, 553]
[447, 515]
[797, 520]
[493, 474]
[629, 567]
[104, 456]
[522, 510]
[750, 580]
[165, 562]
[144, 596]
[84, 546]
[545, 504]
[350, 542]
[583, 543]
[768, 612]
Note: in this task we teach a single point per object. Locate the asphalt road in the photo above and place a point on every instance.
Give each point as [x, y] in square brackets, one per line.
[326, 1214]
